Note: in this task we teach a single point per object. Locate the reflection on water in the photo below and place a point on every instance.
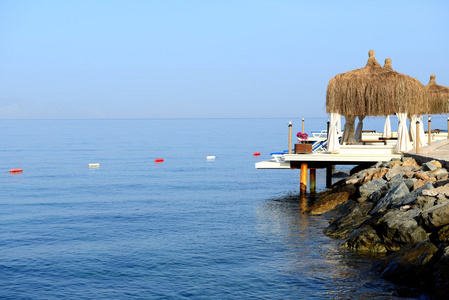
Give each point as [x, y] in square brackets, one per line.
[313, 265]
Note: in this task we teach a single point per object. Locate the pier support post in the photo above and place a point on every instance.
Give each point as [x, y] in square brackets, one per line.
[303, 181]
[312, 181]
[329, 176]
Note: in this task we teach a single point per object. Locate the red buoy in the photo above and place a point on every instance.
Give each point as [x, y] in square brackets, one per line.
[257, 154]
[15, 170]
[159, 160]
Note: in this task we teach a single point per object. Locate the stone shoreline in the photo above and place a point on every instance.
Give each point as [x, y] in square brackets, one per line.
[399, 209]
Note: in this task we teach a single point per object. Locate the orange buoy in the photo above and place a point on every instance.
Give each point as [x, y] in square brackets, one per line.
[15, 170]
[159, 160]
[257, 154]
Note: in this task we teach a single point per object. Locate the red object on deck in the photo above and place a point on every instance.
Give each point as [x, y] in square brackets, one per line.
[15, 170]
[257, 154]
[159, 160]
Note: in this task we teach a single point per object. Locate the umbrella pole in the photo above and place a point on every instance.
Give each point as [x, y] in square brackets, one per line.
[417, 138]
[430, 130]
[302, 125]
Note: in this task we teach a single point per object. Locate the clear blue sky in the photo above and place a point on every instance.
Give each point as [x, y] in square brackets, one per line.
[206, 59]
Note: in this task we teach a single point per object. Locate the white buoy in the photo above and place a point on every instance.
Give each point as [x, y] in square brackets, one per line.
[210, 157]
[94, 165]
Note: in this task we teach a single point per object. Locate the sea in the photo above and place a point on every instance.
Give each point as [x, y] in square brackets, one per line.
[188, 227]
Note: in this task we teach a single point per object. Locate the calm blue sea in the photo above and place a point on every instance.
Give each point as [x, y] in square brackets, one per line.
[186, 228]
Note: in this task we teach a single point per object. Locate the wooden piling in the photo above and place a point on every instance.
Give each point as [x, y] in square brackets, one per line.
[312, 180]
[303, 181]
[329, 176]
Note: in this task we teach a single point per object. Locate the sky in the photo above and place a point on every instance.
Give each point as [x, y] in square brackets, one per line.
[114, 59]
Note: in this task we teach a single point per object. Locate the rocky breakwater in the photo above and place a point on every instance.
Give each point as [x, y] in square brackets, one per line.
[400, 209]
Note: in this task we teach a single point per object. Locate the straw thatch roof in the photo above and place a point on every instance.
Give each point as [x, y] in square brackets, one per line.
[375, 91]
[438, 97]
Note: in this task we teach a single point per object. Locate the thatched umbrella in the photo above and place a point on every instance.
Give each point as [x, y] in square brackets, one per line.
[438, 97]
[375, 91]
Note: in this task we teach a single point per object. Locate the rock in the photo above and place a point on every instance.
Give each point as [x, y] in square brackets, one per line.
[340, 210]
[343, 226]
[425, 202]
[429, 166]
[398, 228]
[422, 176]
[436, 163]
[395, 162]
[365, 239]
[411, 197]
[331, 200]
[340, 175]
[437, 172]
[435, 216]
[442, 176]
[420, 183]
[441, 275]
[378, 194]
[442, 190]
[391, 196]
[409, 161]
[441, 236]
[412, 265]
[410, 182]
[439, 183]
[370, 187]
[396, 170]
[373, 174]
[405, 208]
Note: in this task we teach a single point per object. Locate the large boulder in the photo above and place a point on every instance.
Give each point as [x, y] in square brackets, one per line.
[410, 198]
[397, 228]
[331, 200]
[370, 187]
[379, 193]
[411, 265]
[425, 202]
[365, 239]
[436, 216]
[344, 225]
[340, 210]
[441, 275]
[374, 174]
[392, 195]
[406, 171]
[441, 237]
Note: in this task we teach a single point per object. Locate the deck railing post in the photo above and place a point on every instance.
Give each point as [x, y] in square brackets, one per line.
[290, 137]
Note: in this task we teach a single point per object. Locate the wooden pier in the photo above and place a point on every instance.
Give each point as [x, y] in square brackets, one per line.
[364, 155]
